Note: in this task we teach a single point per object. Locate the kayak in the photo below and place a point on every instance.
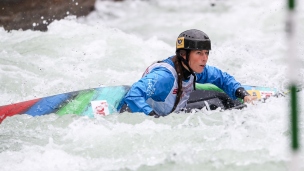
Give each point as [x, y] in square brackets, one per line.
[105, 100]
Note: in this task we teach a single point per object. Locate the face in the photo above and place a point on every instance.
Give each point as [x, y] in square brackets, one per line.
[198, 60]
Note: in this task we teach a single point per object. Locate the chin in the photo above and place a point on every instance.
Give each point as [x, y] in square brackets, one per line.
[199, 71]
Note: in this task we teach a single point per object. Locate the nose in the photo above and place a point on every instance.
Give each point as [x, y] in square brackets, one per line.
[205, 55]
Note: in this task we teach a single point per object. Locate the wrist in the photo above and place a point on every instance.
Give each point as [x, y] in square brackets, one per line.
[241, 93]
[152, 113]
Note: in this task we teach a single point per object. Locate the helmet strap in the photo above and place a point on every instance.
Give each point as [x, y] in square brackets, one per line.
[186, 62]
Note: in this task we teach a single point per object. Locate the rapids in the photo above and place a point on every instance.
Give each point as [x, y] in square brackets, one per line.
[113, 46]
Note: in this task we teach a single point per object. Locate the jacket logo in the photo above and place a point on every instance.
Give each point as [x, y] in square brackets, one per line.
[150, 88]
[175, 91]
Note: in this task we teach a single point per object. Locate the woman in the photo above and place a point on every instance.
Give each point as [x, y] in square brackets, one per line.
[166, 85]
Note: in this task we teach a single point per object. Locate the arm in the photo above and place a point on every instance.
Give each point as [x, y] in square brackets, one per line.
[223, 80]
[156, 85]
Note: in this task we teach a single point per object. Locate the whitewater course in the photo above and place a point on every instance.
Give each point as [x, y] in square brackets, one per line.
[113, 45]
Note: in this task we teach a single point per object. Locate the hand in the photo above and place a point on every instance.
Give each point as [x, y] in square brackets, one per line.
[152, 113]
[250, 99]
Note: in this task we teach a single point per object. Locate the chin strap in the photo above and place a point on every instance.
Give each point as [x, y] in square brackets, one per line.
[186, 62]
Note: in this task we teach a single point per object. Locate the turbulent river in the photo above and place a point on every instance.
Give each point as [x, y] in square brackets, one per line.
[113, 46]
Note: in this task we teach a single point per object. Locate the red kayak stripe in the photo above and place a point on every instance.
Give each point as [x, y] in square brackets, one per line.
[16, 108]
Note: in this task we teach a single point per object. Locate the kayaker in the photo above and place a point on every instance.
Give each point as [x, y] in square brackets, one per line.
[166, 85]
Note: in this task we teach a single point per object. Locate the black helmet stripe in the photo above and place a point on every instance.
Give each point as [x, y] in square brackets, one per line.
[194, 44]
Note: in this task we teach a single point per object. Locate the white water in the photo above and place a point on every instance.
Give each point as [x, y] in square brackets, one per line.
[113, 46]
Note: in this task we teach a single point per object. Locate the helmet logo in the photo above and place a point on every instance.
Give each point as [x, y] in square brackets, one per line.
[180, 42]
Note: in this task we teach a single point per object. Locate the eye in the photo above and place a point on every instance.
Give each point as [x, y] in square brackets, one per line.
[207, 53]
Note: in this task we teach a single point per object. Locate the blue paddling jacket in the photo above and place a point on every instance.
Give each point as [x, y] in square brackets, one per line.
[157, 89]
